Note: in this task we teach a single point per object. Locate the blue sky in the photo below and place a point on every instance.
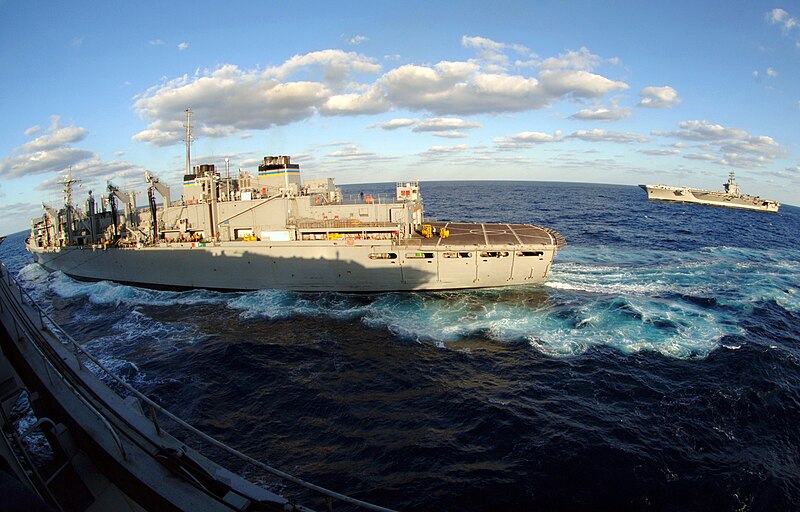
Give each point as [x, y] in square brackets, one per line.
[626, 92]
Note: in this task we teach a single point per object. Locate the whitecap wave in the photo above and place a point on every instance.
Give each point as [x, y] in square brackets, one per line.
[113, 294]
[680, 304]
[134, 334]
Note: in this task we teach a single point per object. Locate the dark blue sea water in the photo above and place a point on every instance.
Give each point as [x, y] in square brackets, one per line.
[658, 369]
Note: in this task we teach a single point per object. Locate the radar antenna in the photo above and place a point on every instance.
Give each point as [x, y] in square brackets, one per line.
[68, 208]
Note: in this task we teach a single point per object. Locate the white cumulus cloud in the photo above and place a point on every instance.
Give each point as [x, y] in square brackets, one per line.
[439, 124]
[581, 59]
[703, 131]
[611, 113]
[358, 39]
[49, 152]
[700, 156]
[525, 140]
[659, 97]
[660, 152]
[33, 130]
[443, 152]
[607, 136]
[491, 54]
[780, 17]
[227, 100]
[578, 84]
[394, 124]
[337, 67]
[227, 97]
[41, 162]
[450, 134]
[372, 101]
[52, 153]
[761, 145]
[448, 128]
[727, 145]
[56, 136]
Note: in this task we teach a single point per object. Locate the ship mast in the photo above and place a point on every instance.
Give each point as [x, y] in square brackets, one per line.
[227, 179]
[68, 182]
[188, 140]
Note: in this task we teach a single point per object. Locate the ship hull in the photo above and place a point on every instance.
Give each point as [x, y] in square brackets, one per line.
[707, 197]
[275, 231]
[324, 266]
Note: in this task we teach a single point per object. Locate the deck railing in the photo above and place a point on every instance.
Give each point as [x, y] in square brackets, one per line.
[343, 224]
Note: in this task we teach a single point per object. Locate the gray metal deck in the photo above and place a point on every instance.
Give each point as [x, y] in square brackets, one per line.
[468, 233]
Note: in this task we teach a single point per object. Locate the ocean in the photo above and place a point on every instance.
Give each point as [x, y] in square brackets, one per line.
[657, 369]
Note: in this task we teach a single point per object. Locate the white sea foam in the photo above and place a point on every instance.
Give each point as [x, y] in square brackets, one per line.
[32, 273]
[732, 276]
[136, 332]
[553, 324]
[679, 304]
[113, 294]
[629, 308]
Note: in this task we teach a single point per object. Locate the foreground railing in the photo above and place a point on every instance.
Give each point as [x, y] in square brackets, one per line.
[9, 285]
[558, 238]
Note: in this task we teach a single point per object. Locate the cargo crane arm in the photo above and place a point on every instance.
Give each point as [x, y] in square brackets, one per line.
[128, 200]
[161, 188]
[155, 184]
[125, 197]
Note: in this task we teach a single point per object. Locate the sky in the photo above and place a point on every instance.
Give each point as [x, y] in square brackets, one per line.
[671, 92]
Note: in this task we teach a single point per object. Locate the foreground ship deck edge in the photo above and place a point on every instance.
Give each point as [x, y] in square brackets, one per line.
[133, 463]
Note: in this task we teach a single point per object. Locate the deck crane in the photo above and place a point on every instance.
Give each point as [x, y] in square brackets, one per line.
[128, 200]
[155, 184]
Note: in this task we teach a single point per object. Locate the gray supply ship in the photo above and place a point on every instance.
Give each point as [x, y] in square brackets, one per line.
[730, 196]
[274, 230]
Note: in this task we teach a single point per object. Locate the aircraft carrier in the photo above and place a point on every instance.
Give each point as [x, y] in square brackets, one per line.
[272, 229]
[730, 196]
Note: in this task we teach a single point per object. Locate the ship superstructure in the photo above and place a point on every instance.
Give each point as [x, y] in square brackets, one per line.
[272, 229]
[730, 196]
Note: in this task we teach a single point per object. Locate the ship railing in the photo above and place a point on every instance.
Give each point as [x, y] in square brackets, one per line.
[344, 224]
[366, 199]
[558, 238]
[8, 283]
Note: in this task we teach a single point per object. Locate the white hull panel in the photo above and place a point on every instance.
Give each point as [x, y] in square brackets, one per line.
[324, 266]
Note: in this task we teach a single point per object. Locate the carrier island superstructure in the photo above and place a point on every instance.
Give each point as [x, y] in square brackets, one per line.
[272, 229]
[730, 196]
